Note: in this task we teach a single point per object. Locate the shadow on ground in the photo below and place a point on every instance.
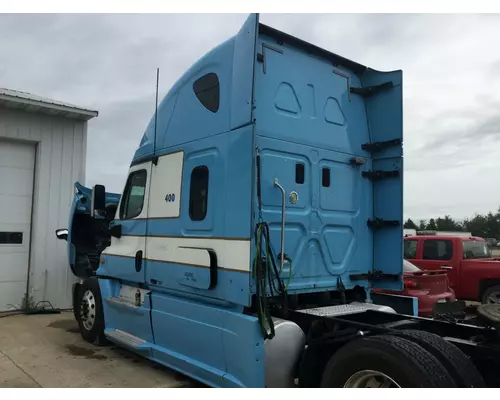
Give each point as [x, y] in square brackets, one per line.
[48, 351]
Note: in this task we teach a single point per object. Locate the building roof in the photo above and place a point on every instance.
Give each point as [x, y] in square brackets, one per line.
[29, 102]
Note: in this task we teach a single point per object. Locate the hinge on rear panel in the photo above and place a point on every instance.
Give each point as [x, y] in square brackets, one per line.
[381, 223]
[378, 146]
[261, 58]
[374, 276]
[370, 90]
[377, 175]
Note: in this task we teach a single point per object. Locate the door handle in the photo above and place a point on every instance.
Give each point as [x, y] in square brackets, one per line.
[446, 267]
[138, 261]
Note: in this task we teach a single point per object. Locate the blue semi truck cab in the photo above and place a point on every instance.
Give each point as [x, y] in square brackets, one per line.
[262, 204]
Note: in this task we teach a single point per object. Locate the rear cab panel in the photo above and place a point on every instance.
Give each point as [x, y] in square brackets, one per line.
[311, 132]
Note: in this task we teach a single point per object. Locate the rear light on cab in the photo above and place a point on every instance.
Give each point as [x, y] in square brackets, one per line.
[410, 284]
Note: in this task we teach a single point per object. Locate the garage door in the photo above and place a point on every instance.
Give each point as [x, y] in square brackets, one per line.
[17, 164]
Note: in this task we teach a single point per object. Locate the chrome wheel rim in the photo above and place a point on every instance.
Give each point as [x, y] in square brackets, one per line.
[493, 298]
[88, 310]
[371, 379]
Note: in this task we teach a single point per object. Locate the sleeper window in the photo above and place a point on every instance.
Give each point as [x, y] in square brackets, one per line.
[207, 90]
[198, 193]
[133, 196]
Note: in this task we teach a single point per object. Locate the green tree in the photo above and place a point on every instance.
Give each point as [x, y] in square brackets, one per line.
[476, 225]
[484, 225]
[409, 224]
[447, 224]
[491, 226]
[431, 226]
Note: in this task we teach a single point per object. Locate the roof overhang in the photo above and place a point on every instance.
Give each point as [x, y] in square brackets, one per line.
[25, 101]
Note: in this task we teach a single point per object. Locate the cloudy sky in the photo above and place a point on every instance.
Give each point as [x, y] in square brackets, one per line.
[451, 69]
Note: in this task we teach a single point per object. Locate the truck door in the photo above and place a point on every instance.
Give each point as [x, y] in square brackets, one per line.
[125, 258]
[438, 255]
[126, 321]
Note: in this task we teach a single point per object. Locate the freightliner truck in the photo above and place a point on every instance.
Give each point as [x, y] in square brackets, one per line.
[262, 205]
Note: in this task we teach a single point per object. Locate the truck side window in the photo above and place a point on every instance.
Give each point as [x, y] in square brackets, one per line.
[438, 250]
[133, 195]
[410, 249]
[207, 90]
[198, 193]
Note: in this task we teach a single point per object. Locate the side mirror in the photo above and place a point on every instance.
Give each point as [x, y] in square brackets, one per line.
[62, 234]
[98, 203]
[116, 231]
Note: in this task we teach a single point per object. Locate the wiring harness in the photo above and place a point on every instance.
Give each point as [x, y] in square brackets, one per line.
[266, 273]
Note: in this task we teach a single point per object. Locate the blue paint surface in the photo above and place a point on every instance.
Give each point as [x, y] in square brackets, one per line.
[312, 119]
[133, 320]
[232, 287]
[217, 345]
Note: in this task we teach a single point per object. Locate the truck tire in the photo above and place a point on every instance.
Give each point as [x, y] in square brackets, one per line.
[459, 365]
[492, 292]
[385, 361]
[76, 300]
[91, 316]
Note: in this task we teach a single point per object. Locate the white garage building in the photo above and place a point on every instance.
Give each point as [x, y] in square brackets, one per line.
[42, 153]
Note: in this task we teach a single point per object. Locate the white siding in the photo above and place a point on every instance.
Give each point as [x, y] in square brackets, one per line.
[17, 170]
[60, 161]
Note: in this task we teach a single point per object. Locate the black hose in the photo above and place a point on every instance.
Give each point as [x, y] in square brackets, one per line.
[266, 271]
[260, 271]
[259, 196]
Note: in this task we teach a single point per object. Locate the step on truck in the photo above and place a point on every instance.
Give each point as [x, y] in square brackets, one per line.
[263, 204]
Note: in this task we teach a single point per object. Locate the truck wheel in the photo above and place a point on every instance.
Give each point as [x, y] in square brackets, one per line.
[460, 366]
[491, 295]
[385, 361]
[91, 316]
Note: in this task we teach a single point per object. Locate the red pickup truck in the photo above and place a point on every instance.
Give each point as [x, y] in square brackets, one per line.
[473, 273]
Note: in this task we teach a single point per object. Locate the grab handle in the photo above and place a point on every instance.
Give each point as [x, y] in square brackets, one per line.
[283, 201]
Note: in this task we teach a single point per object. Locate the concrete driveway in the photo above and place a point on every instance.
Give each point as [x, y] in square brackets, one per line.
[48, 351]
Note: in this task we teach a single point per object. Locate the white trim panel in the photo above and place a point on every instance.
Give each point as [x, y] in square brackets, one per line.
[231, 254]
[166, 178]
[126, 246]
